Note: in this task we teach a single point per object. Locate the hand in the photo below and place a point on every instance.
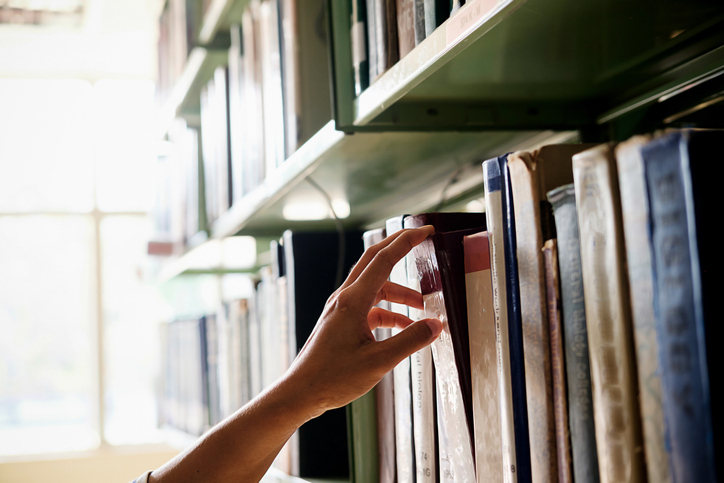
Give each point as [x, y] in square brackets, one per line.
[341, 360]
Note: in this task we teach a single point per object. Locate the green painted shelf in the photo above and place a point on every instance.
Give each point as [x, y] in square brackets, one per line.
[554, 64]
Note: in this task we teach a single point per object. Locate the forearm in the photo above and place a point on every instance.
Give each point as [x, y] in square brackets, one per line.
[242, 447]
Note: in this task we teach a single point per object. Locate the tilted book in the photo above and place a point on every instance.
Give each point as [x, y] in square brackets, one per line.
[441, 273]
[558, 367]
[610, 332]
[424, 399]
[575, 336]
[511, 376]
[483, 359]
[635, 212]
[683, 193]
[404, 433]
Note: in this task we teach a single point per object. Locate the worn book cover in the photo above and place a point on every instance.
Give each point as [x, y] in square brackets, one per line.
[575, 336]
[483, 359]
[532, 174]
[440, 271]
[635, 212]
[558, 367]
[686, 256]
[610, 332]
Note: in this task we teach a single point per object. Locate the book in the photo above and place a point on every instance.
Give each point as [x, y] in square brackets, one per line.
[424, 400]
[305, 71]
[532, 174]
[405, 26]
[419, 21]
[372, 39]
[362, 430]
[358, 34]
[384, 392]
[402, 377]
[635, 212]
[610, 333]
[511, 376]
[272, 88]
[575, 336]
[252, 133]
[436, 12]
[483, 359]
[385, 43]
[319, 447]
[236, 113]
[682, 192]
[440, 270]
[558, 368]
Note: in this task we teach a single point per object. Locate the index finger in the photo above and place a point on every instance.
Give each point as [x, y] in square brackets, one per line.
[376, 273]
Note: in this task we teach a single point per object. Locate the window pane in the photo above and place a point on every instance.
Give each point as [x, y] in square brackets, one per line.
[47, 360]
[131, 341]
[45, 155]
[124, 144]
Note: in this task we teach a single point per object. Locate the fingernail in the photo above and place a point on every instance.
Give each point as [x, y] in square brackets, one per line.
[435, 326]
[429, 228]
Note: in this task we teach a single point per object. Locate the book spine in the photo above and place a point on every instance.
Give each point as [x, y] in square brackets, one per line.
[436, 12]
[635, 212]
[358, 34]
[515, 328]
[483, 359]
[372, 39]
[677, 299]
[536, 340]
[423, 399]
[404, 439]
[575, 336]
[558, 368]
[392, 46]
[455, 453]
[419, 21]
[405, 26]
[610, 338]
[494, 224]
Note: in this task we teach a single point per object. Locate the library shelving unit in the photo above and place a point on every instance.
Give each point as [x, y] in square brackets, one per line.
[496, 76]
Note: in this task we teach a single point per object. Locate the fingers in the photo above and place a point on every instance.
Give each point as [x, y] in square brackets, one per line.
[416, 336]
[386, 319]
[400, 294]
[367, 257]
[376, 273]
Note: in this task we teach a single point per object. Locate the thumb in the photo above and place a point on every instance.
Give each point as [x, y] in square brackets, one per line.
[410, 340]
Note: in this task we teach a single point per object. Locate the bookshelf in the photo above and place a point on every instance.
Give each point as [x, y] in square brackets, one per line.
[497, 76]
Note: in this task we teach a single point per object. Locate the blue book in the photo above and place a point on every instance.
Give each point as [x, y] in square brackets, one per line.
[497, 179]
[682, 192]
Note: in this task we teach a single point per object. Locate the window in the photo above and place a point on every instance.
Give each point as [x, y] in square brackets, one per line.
[78, 318]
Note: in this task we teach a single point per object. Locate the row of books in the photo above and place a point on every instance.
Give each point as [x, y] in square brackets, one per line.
[178, 32]
[384, 31]
[216, 363]
[579, 325]
[271, 97]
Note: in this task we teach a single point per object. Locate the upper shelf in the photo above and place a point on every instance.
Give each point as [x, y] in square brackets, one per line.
[378, 175]
[533, 63]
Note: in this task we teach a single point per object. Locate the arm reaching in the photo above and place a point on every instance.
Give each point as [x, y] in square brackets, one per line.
[340, 362]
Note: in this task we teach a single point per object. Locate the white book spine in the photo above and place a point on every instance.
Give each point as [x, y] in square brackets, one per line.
[494, 225]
